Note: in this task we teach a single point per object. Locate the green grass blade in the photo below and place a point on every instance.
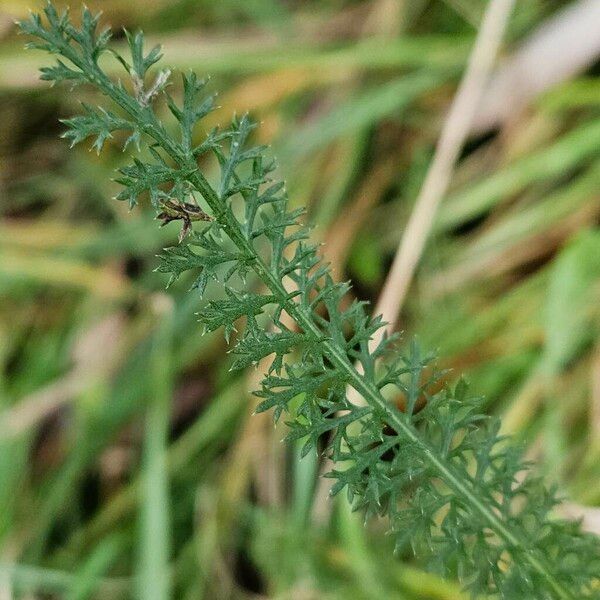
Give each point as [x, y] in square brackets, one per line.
[154, 537]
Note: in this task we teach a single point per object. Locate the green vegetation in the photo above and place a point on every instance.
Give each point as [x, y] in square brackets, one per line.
[442, 476]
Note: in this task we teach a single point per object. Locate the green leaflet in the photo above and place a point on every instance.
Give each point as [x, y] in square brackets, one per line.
[452, 488]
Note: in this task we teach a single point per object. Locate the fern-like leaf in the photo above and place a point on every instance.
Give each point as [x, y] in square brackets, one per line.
[453, 489]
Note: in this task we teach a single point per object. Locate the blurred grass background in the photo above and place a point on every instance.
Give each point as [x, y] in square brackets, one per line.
[130, 462]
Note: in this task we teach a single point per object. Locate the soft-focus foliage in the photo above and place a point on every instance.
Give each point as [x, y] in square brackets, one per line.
[352, 96]
[451, 486]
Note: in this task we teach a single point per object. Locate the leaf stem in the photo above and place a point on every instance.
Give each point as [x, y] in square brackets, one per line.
[463, 486]
[304, 319]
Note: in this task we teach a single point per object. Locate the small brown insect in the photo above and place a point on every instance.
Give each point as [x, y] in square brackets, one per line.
[186, 212]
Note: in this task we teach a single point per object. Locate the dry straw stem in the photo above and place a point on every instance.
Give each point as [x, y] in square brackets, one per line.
[564, 45]
[454, 134]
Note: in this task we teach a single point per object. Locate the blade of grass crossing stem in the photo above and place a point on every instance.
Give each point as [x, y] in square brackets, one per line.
[205, 543]
[567, 153]
[427, 51]
[575, 274]
[96, 565]
[422, 584]
[361, 111]
[264, 13]
[305, 477]
[352, 533]
[153, 577]
[537, 218]
[13, 462]
[26, 580]
[413, 583]
[352, 150]
[570, 324]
